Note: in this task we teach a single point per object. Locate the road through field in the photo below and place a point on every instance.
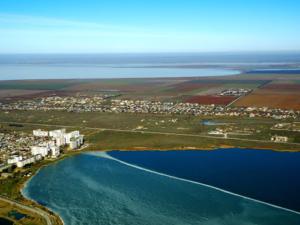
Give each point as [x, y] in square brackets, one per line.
[153, 132]
[28, 208]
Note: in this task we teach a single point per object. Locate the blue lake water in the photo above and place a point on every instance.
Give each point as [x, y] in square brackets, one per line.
[4, 221]
[101, 188]
[261, 174]
[86, 71]
[276, 71]
[68, 66]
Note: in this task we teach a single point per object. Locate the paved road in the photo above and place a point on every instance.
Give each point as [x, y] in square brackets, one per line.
[155, 132]
[28, 208]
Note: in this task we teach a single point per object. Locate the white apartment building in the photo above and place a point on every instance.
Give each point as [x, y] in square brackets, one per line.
[55, 151]
[40, 150]
[71, 135]
[60, 141]
[40, 133]
[59, 138]
[30, 160]
[57, 133]
[76, 142]
[14, 159]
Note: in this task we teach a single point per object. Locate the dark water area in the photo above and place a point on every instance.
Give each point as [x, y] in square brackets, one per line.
[211, 123]
[94, 188]
[268, 176]
[16, 215]
[5, 222]
[275, 71]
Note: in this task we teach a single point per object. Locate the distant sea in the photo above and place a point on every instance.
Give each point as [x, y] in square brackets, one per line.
[84, 66]
[170, 188]
[25, 72]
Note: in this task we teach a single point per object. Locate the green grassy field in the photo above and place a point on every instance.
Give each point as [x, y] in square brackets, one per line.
[125, 131]
[150, 131]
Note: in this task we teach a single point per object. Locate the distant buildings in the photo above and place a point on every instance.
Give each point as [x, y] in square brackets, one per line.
[235, 92]
[59, 138]
[97, 104]
[277, 138]
[21, 149]
[48, 144]
[216, 132]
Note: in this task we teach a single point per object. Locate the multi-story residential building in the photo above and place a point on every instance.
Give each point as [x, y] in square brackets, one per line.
[40, 133]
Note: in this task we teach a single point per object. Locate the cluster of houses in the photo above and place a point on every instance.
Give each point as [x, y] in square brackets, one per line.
[97, 104]
[235, 92]
[16, 143]
[294, 126]
[50, 147]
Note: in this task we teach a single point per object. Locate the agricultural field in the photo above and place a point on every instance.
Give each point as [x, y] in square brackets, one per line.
[277, 94]
[210, 99]
[11, 93]
[271, 90]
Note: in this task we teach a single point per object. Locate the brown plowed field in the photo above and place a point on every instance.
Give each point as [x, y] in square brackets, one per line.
[210, 99]
[271, 100]
[188, 86]
[274, 95]
[285, 87]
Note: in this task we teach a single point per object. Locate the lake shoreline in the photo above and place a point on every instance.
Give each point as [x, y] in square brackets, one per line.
[77, 153]
[71, 154]
[74, 72]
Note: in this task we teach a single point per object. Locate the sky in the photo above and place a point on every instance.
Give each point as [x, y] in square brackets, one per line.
[109, 26]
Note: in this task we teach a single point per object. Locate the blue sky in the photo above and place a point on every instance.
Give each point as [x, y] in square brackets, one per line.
[100, 26]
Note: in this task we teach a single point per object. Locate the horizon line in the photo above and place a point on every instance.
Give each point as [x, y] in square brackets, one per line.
[153, 53]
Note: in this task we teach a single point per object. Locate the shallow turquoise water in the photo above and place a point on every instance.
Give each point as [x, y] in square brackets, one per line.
[92, 189]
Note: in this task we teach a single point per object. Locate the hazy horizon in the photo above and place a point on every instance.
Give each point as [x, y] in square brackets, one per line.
[162, 57]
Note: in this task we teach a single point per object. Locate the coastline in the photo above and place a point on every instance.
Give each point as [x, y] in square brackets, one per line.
[51, 212]
[199, 183]
[184, 148]
[24, 184]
